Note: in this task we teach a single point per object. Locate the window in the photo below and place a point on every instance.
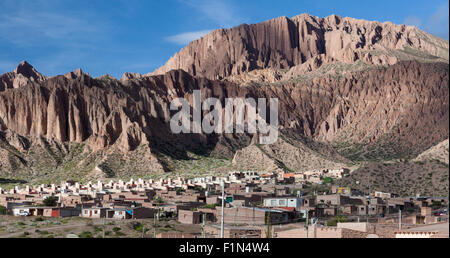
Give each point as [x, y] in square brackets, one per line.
[282, 202]
[273, 203]
[95, 212]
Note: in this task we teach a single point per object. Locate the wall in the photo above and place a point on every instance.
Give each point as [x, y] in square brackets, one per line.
[414, 234]
[362, 226]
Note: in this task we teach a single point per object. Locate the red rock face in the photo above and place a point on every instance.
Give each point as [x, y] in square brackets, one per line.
[403, 102]
[283, 43]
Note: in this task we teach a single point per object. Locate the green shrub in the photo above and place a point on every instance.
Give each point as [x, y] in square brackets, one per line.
[137, 226]
[3, 210]
[86, 234]
[338, 219]
[25, 234]
[118, 233]
[50, 201]
[328, 180]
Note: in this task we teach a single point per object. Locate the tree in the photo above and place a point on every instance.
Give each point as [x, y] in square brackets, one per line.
[328, 180]
[50, 201]
[3, 210]
[336, 220]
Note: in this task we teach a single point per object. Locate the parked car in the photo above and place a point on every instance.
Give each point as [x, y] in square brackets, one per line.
[24, 213]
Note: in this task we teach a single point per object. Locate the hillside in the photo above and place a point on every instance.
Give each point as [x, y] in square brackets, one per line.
[351, 93]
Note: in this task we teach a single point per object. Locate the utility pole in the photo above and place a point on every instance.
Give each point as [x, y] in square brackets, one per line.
[254, 215]
[400, 220]
[300, 197]
[236, 216]
[103, 227]
[307, 221]
[203, 226]
[143, 230]
[223, 213]
[154, 225]
[315, 229]
[269, 224]
[370, 199]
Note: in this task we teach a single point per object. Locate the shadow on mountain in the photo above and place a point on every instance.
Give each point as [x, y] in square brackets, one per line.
[12, 181]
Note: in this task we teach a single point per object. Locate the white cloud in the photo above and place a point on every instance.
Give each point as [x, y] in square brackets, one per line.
[413, 21]
[187, 37]
[438, 23]
[222, 12]
[24, 26]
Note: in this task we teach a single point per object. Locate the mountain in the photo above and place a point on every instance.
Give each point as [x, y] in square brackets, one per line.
[352, 93]
[302, 44]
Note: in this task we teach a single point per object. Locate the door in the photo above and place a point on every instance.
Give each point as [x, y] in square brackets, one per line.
[55, 213]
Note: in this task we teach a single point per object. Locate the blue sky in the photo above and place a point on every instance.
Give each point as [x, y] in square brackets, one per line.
[117, 36]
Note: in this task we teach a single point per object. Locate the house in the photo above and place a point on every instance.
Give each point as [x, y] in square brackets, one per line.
[349, 209]
[309, 202]
[189, 217]
[383, 195]
[130, 213]
[338, 173]
[251, 216]
[56, 212]
[196, 217]
[32, 211]
[338, 199]
[94, 212]
[292, 202]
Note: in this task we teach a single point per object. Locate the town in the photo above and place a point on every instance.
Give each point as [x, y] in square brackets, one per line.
[240, 205]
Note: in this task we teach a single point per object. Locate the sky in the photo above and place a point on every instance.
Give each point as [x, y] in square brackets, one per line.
[117, 36]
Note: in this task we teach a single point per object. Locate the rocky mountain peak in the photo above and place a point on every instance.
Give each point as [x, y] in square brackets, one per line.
[21, 76]
[28, 71]
[74, 74]
[129, 76]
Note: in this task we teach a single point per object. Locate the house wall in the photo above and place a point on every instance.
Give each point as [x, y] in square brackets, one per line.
[363, 227]
[318, 233]
[101, 213]
[144, 213]
[69, 212]
[321, 232]
[47, 213]
[189, 217]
